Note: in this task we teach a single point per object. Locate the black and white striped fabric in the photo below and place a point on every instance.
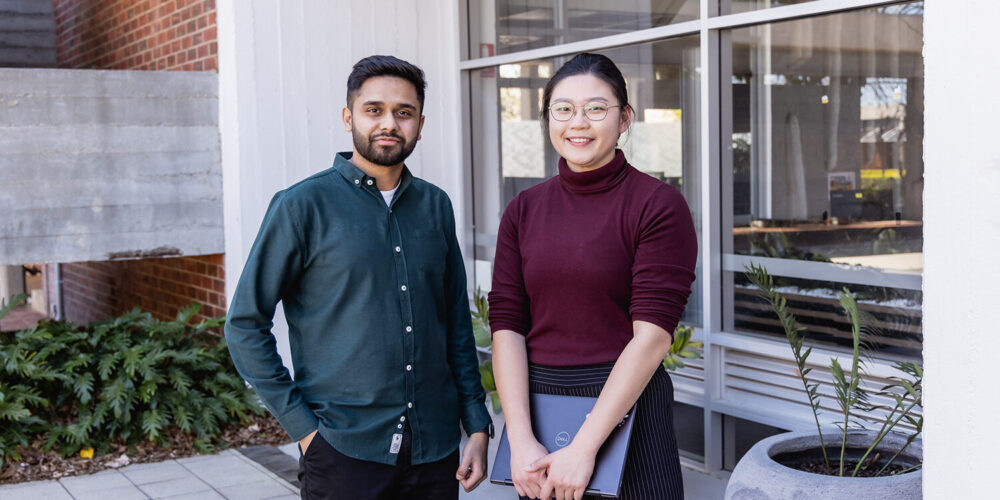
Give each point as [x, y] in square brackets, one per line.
[652, 467]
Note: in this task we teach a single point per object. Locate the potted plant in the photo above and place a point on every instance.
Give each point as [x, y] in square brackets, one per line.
[851, 460]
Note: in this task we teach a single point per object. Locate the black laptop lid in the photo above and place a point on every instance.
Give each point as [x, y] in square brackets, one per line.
[555, 420]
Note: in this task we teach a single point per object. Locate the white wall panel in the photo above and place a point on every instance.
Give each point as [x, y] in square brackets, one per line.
[961, 242]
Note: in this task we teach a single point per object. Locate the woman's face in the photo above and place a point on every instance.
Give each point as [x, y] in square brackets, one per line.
[586, 143]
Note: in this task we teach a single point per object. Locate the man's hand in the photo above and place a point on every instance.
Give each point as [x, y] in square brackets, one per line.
[472, 470]
[304, 442]
[569, 471]
[527, 483]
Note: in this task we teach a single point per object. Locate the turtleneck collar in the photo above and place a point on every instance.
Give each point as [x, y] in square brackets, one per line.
[597, 180]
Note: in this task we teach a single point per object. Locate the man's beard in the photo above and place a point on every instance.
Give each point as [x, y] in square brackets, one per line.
[380, 155]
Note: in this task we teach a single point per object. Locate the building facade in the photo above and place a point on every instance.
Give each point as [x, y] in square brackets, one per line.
[795, 129]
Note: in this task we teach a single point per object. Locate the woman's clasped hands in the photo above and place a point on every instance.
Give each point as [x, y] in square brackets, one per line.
[563, 474]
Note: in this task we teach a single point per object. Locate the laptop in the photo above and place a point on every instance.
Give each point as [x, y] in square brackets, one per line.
[555, 420]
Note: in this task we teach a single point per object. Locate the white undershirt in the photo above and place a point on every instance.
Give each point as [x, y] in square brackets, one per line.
[387, 195]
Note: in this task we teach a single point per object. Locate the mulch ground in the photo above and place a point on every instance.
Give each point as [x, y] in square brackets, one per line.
[36, 466]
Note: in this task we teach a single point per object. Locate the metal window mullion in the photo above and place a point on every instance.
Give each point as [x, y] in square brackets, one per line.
[607, 42]
[826, 271]
[789, 12]
[711, 248]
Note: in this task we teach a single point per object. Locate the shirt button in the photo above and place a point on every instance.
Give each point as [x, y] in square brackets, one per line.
[409, 367]
[398, 249]
[369, 182]
[402, 419]
[409, 329]
[403, 288]
[357, 181]
[409, 405]
[399, 426]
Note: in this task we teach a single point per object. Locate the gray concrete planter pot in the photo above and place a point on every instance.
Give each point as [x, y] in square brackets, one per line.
[759, 477]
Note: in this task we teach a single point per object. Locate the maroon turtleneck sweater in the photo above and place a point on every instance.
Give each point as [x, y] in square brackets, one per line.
[582, 255]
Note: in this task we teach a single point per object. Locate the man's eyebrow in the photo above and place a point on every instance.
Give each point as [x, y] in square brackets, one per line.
[381, 103]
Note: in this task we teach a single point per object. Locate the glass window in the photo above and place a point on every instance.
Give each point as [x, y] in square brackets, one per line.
[511, 154]
[689, 426]
[826, 128]
[504, 26]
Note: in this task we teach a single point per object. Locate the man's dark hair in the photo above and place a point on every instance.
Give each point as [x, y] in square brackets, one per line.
[373, 66]
[586, 63]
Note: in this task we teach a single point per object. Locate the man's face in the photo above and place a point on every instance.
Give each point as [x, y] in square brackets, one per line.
[385, 120]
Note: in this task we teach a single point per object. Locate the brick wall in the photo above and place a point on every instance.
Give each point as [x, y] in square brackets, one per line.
[95, 290]
[164, 35]
[139, 34]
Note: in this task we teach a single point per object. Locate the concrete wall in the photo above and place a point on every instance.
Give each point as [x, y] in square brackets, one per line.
[961, 242]
[27, 34]
[283, 68]
[103, 165]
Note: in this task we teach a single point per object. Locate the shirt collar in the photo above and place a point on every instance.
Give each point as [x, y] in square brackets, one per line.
[357, 177]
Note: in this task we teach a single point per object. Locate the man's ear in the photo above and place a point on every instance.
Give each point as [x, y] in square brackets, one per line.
[345, 115]
[421, 129]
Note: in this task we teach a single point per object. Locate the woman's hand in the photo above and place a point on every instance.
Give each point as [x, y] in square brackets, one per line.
[527, 483]
[569, 471]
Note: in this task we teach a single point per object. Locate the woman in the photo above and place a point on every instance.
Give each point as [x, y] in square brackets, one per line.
[592, 272]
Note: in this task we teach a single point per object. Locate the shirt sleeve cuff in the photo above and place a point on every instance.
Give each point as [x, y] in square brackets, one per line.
[475, 417]
[299, 422]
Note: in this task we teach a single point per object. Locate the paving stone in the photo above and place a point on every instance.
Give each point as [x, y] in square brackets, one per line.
[49, 490]
[101, 481]
[286, 497]
[223, 471]
[202, 495]
[255, 491]
[121, 493]
[156, 472]
[174, 487]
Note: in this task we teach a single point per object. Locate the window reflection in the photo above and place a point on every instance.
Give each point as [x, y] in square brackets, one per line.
[826, 132]
[514, 25]
[827, 126]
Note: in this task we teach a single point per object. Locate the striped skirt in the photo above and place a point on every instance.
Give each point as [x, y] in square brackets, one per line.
[652, 467]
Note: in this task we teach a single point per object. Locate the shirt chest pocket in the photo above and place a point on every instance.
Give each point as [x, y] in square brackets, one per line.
[426, 250]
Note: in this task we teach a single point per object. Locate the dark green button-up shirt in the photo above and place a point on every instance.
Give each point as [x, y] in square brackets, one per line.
[377, 311]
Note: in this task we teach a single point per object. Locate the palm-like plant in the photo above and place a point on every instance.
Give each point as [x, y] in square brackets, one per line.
[849, 392]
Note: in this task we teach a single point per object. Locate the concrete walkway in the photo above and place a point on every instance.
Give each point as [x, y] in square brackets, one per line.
[226, 475]
[233, 475]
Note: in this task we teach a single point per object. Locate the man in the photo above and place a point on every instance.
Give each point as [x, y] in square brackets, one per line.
[364, 258]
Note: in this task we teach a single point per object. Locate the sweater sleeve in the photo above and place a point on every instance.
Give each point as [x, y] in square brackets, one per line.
[508, 299]
[665, 258]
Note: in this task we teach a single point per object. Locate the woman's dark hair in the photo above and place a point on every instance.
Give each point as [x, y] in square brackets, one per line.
[373, 66]
[586, 64]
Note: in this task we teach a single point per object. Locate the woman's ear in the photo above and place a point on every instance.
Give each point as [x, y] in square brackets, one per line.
[626, 118]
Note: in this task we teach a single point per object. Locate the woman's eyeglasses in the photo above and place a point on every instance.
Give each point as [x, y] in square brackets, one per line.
[594, 111]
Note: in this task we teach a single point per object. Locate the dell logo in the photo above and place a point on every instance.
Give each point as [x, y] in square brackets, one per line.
[562, 439]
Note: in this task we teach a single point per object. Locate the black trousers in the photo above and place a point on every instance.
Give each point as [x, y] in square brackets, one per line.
[325, 473]
[652, 466]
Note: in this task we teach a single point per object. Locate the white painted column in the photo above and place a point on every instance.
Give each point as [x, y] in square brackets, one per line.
[961, 244]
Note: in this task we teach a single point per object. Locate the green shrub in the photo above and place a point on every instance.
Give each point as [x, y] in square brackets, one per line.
[123, 379]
